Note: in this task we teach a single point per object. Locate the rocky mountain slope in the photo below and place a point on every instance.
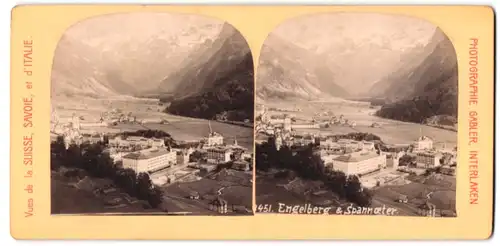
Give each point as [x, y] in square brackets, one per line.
[230, 98]
[209, 62]
[217, 83]
[289, 71]
[202, 67]
[96, 59]
[74, 73]
[422, 88]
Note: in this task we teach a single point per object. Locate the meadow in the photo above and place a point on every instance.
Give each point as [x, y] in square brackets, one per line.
[180, 128]
[390, 131]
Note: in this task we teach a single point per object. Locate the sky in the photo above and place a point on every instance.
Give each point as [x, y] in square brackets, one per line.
[107, 30]
[324, 31]
[360, 48]
[130, 48]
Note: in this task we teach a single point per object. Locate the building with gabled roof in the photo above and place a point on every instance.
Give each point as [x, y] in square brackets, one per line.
[218, 155]
[219, 205]
[149, 160]
[428, 159]
[423, 143]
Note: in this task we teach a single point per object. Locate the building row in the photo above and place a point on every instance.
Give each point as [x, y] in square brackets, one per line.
[154, 159]
[125, 142]
[157, 157]
[361, 157]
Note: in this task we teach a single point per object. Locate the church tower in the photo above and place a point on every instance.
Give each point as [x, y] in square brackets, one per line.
[76, 122]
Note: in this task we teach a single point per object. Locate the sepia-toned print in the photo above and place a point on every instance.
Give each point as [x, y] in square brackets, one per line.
[152, 113]
[356, 115]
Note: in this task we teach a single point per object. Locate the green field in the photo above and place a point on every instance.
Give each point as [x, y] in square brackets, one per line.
[440, 188]
[234, 186]
[390, 131]
[66, 199]
[181, 128]
[270, 190]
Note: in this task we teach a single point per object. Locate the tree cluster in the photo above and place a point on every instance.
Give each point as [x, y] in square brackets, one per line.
[358, 136]
[348, 187]
[169, 141]
[148, 134]
[198, 156]
[93, 159]
[232, 95]
[418, 110]
[306, 164]
[408, 160]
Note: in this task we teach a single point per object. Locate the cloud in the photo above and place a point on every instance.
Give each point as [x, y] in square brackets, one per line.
[108, 30]
[388, 31]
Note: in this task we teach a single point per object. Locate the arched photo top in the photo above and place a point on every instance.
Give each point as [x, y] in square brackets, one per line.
[154, 94]
[351, 54]
[367, 100]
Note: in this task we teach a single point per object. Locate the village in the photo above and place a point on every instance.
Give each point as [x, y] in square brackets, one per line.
[168, 162]
[375, 163]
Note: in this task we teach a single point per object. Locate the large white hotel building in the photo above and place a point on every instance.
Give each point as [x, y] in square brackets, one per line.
[359, 163]
[150, 160]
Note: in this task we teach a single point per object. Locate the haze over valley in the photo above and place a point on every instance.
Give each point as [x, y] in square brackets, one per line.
[181, 59]
[399, 62]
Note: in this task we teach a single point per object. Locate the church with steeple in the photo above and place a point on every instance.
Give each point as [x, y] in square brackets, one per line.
[423, 143]
[214, 138]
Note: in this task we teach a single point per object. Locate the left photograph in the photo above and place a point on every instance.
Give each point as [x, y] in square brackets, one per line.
[152, 113]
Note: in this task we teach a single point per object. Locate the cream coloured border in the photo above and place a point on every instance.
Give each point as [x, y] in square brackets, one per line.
[46, 24]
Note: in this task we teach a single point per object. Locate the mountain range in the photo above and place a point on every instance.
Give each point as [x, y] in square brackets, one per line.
[421, 82]
[286, 71]
[206, 66]
[127, 54]
[209, 63]
[217, 83]
[424, 86]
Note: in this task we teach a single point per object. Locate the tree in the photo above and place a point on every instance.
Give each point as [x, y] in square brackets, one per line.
[73, 156]
[127, 179]
[57, 147]
[356, 194]
[144, 185]
[203, 172]
[155, 197]
[336, 181]
[353, 185]
[93, 160]
[266, 155]
[285, 158]
[309, 165]
[197, 156]
[407, 160]
[57, 153]
[105, 166]
[105, 139]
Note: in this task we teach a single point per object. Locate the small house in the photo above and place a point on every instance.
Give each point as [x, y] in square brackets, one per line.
[194, 195]
[219, 205]
[428, 209]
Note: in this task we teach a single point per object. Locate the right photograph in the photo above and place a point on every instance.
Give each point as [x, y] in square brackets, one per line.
[356, 114]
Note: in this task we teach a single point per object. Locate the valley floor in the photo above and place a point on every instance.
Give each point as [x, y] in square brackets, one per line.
[390, 131]
[179, 127]
[271, 190]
